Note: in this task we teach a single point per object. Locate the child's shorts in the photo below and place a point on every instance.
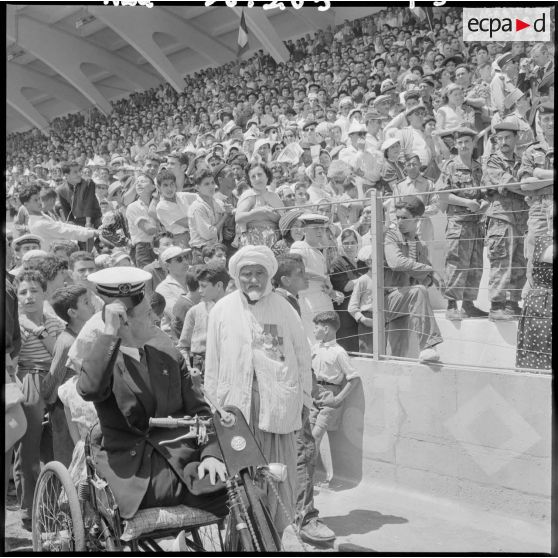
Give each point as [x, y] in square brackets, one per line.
[327, 418]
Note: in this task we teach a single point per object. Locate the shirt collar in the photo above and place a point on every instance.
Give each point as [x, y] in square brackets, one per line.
[132, 352]
[331, 343]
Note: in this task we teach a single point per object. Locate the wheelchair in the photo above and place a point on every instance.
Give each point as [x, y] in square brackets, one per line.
[86, 518]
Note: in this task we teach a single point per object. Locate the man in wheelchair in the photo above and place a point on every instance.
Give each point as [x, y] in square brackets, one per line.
[130, 380]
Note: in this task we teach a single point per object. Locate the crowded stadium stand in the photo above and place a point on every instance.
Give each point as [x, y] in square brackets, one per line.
[395, 182]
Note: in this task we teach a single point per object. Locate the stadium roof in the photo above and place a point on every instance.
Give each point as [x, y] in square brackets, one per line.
[68, 58]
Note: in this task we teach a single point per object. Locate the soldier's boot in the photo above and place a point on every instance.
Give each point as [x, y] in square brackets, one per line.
[512, 309]
[469, 310]
[497, 312]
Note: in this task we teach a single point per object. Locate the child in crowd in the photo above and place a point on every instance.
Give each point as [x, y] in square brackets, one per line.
[336, 379]
[157, 308]
[290, 279]
[213, 282]
[207, 215]
[215, 254]
[360, 305]
[173, 207]
[186, 301]
[73, 305]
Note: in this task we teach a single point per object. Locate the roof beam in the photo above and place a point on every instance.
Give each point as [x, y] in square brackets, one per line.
[260, 26]
[19, 103]
[313, 18]
[65, 53]
[137, 30]
[213, 50]
[22, 76]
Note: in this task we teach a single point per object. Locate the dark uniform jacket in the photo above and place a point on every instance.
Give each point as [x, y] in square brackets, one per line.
[79, 202]
[125, 401]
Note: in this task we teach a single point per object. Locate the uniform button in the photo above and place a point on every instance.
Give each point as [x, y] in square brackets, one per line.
[133, 452]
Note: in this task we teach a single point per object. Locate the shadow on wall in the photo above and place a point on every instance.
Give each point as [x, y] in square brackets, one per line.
[346, 443]
[361, 522]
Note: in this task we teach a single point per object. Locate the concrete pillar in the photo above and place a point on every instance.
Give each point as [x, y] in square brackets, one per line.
[19, 103]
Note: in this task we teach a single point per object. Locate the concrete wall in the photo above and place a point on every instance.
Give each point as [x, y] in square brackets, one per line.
[481, 436]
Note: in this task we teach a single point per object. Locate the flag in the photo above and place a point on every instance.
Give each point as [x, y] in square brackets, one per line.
[424, 14]
[242, 36]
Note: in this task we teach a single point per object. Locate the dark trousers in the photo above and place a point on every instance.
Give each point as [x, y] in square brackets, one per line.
[143, 254]
[305, 467]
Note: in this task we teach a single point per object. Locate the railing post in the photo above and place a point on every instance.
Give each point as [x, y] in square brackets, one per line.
[377, 240]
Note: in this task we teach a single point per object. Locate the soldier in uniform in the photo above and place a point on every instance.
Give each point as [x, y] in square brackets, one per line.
[464, 233]
[507, 225]
[537, 164]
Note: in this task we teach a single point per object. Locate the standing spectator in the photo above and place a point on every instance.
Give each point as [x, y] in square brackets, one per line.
[259, 360]
[464, 231]
[316, 298]
[224, 178]
[534, 334]
[336, 379]
[343, 275]
[46, 227]
[507, 226]
[207, 216]
[38, 333]
[212, 282]
[173, 207]
[187, 301]
[537, 164]
[176, 260]
[257, 213]
[77, 197]
[141, 225]
[158, 273]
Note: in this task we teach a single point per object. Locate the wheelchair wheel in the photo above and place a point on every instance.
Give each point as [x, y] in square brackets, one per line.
[206, 539]
[56, 518]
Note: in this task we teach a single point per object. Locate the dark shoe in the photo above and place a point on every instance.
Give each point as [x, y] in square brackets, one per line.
[315, 532]
[469, 310]
[513, 310]
[453, 314]
[499, 315]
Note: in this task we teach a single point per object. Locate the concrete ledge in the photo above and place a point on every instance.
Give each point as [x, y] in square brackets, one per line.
[482, 436]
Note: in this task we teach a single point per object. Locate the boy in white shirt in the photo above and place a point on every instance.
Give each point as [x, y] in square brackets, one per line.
[173, 207]
[336, 378]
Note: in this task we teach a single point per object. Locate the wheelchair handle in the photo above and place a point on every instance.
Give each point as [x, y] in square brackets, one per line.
[171, 422]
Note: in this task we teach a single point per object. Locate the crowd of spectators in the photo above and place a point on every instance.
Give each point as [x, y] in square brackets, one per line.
[283, 155]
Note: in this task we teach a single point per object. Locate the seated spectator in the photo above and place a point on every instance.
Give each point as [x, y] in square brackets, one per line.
[407, 275]
[176, 261]
[212, 282]
[207, 216]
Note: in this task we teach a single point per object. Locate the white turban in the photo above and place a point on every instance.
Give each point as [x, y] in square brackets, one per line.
[253, 255]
